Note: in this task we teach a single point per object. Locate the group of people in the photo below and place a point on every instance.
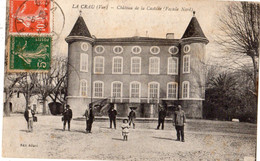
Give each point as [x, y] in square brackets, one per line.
[89, 114]
[179, 119]
[126, 122]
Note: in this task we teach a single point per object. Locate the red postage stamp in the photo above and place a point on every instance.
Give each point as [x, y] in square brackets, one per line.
[29, 16]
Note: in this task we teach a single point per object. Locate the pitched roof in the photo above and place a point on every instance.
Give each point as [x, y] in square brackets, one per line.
[193, 29]
[80, 28]
[136, 39]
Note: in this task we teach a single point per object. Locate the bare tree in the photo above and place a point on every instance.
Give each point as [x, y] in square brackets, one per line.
[59, 80]
[43, 87]
[240, 31]
[53, 83]
[26, 85]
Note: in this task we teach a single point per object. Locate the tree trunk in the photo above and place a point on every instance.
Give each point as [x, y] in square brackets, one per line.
[255, 78]
[7, 104]
[44, 111]
[27, 99]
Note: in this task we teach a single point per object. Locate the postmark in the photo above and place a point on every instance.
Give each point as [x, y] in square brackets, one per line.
[58, 17]
[29, 53]
[29, 16]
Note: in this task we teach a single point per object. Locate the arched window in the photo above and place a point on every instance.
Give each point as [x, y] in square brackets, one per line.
[186, 64]
[83, 88]
[83, 62]
[173, 65]
[135, 89]
[185, 89]
[116, 89]
[154, 65]
[136, 65]
[98, 89]
[172, 89]
[117, 67]
[99, 65]
[153, 90]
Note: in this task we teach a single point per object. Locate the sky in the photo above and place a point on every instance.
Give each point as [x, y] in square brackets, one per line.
[158, 18]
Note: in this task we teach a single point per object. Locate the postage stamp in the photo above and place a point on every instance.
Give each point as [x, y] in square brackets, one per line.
[29, 16]
[29, 53]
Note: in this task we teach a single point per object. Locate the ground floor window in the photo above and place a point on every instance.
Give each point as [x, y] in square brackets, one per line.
[117, 89]
[172, 90]
[83, 88]
[98, 89]
[135, 89]
[153, 90]
[185, 89]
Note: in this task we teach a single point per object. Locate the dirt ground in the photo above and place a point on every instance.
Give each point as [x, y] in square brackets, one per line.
[204, 140]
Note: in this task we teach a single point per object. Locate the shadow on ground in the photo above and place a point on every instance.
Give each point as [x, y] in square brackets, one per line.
[24, 130]
[117, 139]
[163, 138]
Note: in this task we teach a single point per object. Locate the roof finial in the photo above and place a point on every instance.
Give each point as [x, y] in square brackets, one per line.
[147, 34]
[80, 12]
[194, 13]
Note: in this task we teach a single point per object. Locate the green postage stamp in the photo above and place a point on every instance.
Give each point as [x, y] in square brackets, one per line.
[29, 53]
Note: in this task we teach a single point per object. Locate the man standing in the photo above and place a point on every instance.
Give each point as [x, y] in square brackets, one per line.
[67, 116]
[86, 114]
[112, 115]
[90, 118]
[29, 114]
[161, 117]
[132, 117]
[179, 121]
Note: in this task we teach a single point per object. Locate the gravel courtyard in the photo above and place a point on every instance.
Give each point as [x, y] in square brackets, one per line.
[204, 140]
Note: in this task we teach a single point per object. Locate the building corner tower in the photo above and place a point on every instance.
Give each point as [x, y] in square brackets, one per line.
[192, 69]
[79, 66]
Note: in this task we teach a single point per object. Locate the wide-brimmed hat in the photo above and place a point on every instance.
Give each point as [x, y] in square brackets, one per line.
[133, 108]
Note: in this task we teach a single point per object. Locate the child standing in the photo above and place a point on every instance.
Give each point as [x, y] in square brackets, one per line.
[125, 129]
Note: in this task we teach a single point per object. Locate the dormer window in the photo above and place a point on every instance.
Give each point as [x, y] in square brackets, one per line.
[118, 49]
[155, 50]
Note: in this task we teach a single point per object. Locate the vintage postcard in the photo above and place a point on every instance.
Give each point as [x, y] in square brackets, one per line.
[131, 80]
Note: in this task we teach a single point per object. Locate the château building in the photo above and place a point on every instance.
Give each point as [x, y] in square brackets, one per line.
[137, 71]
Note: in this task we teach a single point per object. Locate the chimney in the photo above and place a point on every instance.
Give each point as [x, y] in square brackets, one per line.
[170, 36]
